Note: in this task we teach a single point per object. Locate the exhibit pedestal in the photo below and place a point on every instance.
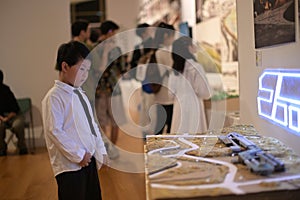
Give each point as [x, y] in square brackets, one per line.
[202, 167]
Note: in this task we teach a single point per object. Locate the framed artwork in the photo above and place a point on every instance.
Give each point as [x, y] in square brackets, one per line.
[199, 14]
[274, 22]
[155, 11]
[208, 9]
[216, 32]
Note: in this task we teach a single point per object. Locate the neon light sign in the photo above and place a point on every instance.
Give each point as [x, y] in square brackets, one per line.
[279, 97]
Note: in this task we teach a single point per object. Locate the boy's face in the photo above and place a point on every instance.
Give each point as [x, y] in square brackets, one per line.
[77, 74]
[83, 68]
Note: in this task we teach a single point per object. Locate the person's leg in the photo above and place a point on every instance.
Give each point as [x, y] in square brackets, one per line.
[72, 185]
[114, 127]
[101, 110]
[101, 105]
[114, 134]
[17, 127]
[161, 121]
[3, 146]
[93, 185]
[143, 117]
[169, 110]
[151, 114]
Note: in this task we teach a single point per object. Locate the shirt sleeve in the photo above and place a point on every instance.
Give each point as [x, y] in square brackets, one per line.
[12, 106]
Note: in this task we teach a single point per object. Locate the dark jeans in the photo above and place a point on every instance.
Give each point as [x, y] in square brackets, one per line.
[160, 124]
[16, 125]
[80, 185]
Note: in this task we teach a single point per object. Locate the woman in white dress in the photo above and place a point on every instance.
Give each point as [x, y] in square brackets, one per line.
[189, 84]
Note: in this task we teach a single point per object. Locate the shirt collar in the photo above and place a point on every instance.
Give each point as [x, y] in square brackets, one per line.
[68, 88]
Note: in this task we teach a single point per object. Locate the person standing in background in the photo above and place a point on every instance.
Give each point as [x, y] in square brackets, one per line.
[10, 117]
[81, 32]
[142, 31]
[189, 84]
[73, 139]
[138, 65]
[94, 37]
[113, 65]
[163, 39]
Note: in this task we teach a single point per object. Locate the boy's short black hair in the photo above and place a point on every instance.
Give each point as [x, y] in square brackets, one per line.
[141, 29]
[107, 26]
[71, 53]
[78, 26]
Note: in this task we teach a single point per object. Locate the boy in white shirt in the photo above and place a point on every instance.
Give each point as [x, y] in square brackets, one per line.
[73, 139]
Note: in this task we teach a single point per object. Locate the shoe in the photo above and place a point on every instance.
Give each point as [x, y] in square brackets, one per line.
[23, 151]
[3, 153]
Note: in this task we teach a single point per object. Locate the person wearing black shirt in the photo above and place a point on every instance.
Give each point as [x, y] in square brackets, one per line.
[142, 31]
[10, 117]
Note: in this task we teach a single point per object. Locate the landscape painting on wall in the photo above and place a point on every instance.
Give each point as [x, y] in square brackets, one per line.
[216, 32]
[274, 22]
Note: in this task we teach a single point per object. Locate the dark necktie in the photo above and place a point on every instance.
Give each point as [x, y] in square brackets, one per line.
[86, 110]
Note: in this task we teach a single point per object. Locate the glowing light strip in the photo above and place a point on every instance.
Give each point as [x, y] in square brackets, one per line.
[276, 101]
[291, 126]
[262, 99]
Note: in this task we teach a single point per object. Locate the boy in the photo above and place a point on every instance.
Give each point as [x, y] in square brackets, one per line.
[74, 143]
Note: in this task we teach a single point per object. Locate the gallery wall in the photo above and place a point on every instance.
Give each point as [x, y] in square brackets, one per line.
[31, 31]
[284, 56]
[123, 12]
[215, 30]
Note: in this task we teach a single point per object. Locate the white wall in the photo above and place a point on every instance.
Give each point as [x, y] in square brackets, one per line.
[31, 31]
[285, 56]
[124, 13]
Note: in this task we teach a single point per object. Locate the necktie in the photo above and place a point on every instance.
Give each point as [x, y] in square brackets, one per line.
[86, 110]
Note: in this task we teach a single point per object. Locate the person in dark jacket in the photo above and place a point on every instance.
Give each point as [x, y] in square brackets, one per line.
[10, 117]
[140, 50]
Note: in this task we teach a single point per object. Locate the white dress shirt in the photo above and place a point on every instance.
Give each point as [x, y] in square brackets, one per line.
[67, 131]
